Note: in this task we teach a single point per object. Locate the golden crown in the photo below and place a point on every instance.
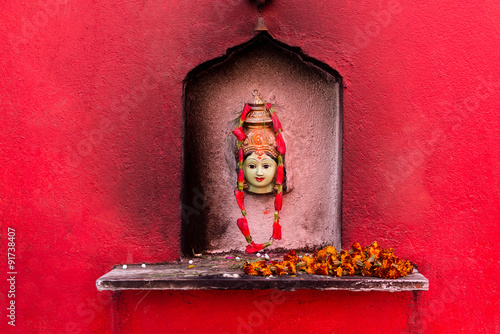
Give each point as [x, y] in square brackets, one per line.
[260, 136]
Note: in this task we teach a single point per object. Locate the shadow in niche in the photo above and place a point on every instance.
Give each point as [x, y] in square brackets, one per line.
[197, 191]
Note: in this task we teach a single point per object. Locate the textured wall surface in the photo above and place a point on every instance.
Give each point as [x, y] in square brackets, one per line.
[306, 100]
[91, 159]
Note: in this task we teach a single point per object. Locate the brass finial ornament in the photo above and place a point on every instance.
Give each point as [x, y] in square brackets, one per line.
[260, 25]
[258, 113]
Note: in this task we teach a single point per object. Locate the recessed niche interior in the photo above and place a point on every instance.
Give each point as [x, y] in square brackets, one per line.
[307, 98]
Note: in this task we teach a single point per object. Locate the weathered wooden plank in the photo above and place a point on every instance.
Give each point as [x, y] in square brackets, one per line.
[223, 274]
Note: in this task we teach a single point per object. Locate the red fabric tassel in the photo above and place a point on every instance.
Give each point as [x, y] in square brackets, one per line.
[245, 112]
[278, 201]
[280, 175]
[240, 195]
[277, 230]
[280, 143]
[243, 225]
[276, 123]
[238, 132]
[240, 155]
[253, 247]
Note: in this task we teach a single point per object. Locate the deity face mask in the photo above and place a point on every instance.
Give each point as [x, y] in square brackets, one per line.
[260, 172]
[259, 148]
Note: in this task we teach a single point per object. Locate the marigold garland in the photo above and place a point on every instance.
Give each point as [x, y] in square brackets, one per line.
[240, 194]
[369, 261]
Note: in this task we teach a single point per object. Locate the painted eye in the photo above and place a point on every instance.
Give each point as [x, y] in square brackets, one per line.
[251, 166]
[266, 166]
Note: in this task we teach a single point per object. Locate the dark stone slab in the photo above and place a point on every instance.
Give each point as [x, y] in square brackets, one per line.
[219, 273]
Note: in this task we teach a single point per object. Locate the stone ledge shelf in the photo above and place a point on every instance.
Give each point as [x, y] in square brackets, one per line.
[224, 274]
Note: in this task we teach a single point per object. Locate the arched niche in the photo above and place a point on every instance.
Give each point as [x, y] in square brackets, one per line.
[308, 99]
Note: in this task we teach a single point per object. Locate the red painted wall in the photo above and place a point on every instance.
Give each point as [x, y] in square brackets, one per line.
[90, 156]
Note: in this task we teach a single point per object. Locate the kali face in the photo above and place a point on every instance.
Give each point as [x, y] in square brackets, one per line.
[260, 172]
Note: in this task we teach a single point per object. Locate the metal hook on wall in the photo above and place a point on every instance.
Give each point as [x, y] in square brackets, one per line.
[260, 4]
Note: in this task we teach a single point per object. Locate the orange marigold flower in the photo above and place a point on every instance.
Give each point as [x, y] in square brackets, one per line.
[374, 249]
[249, 269]
[345, 258]
[322, 269]
[262, 268]
[332, 262]
[349, 268]
[368, 265]
[356, 261]
[311, 269]
[277, 268]
[308, 260]
[356, 247]
[331, 250]
[375, 252]
[407, 267]
[291, 257]
[290, 266]
[265, 271]
[365, 271]
[322, 255]
[392, 273]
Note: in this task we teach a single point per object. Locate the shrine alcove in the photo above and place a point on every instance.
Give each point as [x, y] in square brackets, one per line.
[307, 96]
